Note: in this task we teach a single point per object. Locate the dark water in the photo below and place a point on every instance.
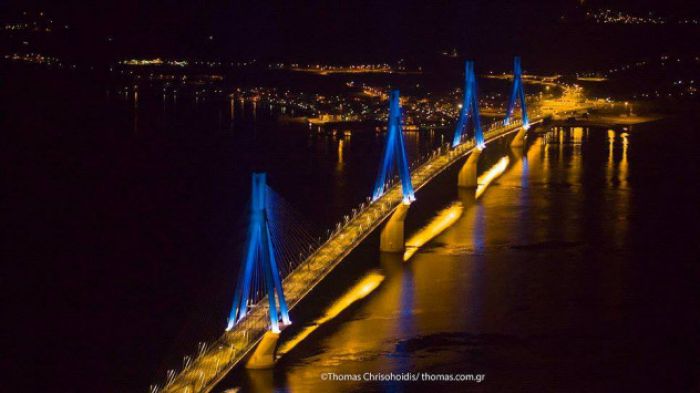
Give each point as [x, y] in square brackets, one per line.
[575, 271]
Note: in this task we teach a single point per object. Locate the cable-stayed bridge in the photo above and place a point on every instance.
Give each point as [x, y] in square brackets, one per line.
[255, 322]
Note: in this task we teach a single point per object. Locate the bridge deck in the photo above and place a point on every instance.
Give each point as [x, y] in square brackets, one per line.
[212, 365]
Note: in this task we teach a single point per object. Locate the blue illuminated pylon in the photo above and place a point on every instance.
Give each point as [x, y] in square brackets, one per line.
[470, 108]
[394, 150]
[259, 255]
[518, 93]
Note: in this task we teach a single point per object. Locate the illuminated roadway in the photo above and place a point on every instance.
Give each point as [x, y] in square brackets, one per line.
[204, 371]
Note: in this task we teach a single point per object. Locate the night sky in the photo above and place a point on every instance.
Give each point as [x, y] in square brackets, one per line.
[328, 30]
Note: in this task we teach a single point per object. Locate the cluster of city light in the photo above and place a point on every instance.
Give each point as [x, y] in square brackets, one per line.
[372, 91]
[142, 62]
[450, 53]
[607, 16]
[426, 111]
[184, 63]
[591, 77]
[547, 80]
[39, 24]
[35, 58]
[26, 27]
[333, 69]
[306, 104]
[154, 62]
[211, 63]
[196, 79]
[361, 67]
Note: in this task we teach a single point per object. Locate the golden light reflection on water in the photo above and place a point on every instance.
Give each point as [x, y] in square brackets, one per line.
[546, 156]
[442, 221]
[623, 166]
[517, 175]
[491, 174]
[611, 161]
[621, 202]
[363, 288]
[561, 132]
[340, 153]
[448, 216]
[575, 164]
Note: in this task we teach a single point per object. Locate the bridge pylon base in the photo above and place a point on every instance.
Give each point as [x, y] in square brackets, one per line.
[467, 175]
[391, 238]
[264, 355]
[519, 139]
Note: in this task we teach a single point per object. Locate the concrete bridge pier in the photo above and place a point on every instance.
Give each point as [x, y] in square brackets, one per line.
[391, 238]
[519, 139]
[467, 175]
[264, 355]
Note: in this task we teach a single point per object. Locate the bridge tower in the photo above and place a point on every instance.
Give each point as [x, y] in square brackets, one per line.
[518, 94]
[392, 234]
[470, 108]
[260, 261]
[394, 153]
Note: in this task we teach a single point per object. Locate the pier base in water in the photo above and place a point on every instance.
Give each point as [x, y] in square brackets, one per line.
[519, 139]
[467, 175]
[391, 238]
[264, 355]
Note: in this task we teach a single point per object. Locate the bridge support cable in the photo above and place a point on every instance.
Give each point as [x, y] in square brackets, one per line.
[259, 270]
[518, 94]
[294, 237]
[470, 109]
[394, 153]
